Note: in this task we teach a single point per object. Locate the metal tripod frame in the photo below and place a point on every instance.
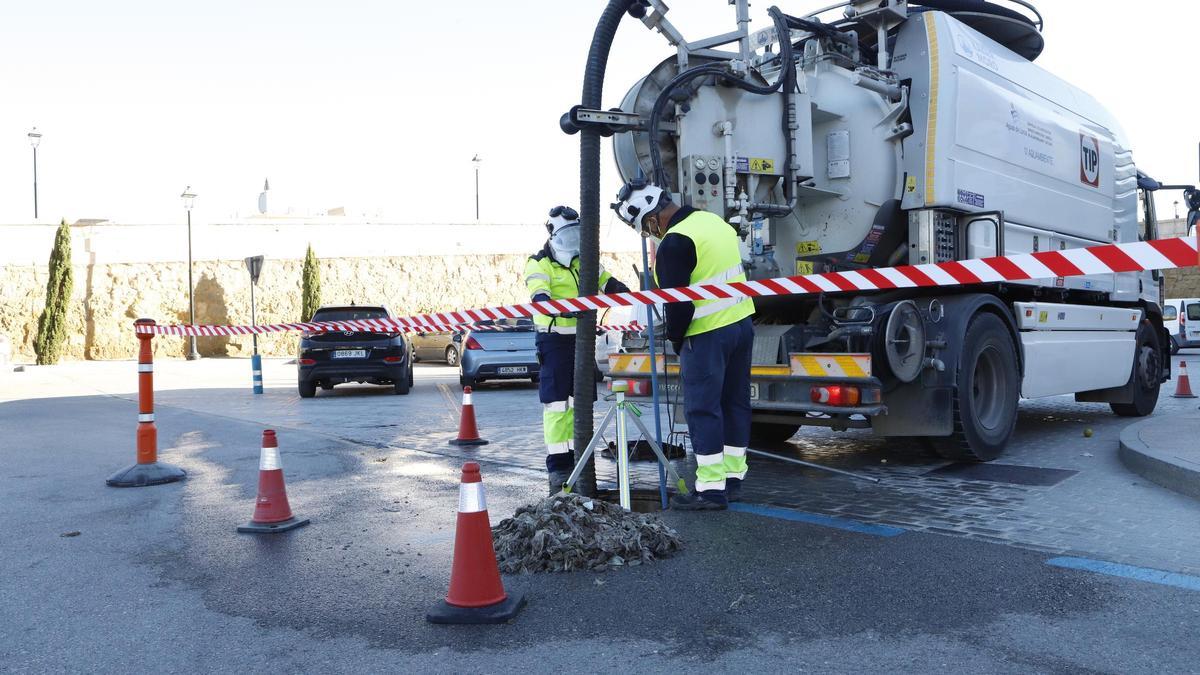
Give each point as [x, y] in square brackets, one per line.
[617, 411]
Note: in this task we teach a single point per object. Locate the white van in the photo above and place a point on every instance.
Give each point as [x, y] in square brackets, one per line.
[1181, 317]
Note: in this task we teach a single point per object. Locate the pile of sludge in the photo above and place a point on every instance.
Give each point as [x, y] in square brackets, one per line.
[567, 532]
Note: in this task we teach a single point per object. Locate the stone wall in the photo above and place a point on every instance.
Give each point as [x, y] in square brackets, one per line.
[108, 297]
[1183, 283]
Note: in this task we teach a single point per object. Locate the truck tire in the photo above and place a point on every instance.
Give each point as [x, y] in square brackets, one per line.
[1146, 374]
[771, 433]
[988, 387]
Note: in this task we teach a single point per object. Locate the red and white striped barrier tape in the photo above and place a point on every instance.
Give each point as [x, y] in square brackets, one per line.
[354, 326]
[1111, 258]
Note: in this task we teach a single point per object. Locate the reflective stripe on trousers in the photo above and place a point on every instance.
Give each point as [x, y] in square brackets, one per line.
[735, 462]
[558, 425]
[710, 472]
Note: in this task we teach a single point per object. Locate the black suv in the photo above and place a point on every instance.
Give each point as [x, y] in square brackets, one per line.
[332, 358]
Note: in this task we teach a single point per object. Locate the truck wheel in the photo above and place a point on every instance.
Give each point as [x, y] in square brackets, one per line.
[988, 386]
[308, 389]
[771, 433]
[1147, 374]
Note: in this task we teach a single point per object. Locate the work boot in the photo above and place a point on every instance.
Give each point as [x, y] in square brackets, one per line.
[733, 490]
[557, 480]
[694, 502]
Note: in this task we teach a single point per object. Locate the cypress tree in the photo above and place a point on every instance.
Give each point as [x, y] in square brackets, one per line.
[310, 286]
[52, 324]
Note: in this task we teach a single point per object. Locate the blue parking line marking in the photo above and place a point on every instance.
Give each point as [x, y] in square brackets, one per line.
[1129, 572]
[818, 519]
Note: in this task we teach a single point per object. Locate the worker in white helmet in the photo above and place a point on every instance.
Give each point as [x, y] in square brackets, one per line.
[553, 274]
[713, 338]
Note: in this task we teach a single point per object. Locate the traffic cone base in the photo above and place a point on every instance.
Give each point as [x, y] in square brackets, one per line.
[468, 441]
[500, 612]
[141, 475]
[267, 528]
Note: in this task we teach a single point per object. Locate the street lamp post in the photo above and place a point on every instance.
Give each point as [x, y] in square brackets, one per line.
[35, 139]
[476, 161]
[254, 265]
[189, 198]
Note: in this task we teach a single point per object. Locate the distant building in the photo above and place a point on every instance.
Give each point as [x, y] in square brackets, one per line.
[264, 202]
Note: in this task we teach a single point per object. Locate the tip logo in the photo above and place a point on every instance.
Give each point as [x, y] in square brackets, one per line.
[1089, 160]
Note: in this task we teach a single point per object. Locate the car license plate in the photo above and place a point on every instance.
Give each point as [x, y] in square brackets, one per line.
[512, 370]
[350, 354]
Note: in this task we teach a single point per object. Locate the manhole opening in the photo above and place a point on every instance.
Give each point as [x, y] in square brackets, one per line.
[640, 500]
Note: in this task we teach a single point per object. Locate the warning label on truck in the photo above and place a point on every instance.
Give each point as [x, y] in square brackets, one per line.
[761, 165]
[803, 249]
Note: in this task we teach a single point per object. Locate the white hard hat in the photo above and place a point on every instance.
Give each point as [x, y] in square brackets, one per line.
[560, 217]
[638, 199]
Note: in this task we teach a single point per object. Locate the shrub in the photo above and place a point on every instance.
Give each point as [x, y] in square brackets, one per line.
[310, 286]
[52, 324]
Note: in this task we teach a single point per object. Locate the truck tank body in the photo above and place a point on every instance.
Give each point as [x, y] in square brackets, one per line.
[994, 132]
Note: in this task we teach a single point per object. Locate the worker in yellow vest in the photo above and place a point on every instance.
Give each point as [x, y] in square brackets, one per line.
[713, 338]
[553, 274]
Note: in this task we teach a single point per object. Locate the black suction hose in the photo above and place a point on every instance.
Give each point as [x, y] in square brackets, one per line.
[589, 235]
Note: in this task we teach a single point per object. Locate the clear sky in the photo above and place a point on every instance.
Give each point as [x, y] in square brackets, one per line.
[379, 105]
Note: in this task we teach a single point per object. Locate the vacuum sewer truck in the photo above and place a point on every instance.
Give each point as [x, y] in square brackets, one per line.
[903, 133]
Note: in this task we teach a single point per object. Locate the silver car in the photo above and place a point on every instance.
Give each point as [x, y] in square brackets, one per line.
[501, 350]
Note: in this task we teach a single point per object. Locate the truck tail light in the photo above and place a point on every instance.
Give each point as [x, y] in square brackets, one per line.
[472, 343]
[308, 362]
[836, 395]
[636, 387]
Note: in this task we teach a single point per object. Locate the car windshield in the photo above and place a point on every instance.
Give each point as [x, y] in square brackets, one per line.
[349, 313]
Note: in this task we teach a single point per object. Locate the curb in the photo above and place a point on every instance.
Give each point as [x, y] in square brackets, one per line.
[1158, 466]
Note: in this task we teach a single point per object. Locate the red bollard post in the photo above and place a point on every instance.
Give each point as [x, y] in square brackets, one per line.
[147, 470]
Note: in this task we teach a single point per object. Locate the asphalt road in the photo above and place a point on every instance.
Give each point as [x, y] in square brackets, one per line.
[157, 577]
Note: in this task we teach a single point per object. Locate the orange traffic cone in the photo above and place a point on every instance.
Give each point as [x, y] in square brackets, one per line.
[1183, 387]
[467, 433]
[271, 510]
[476, 592]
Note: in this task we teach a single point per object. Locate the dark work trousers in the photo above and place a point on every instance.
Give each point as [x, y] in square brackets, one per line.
[556, 389]
[715, 368]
